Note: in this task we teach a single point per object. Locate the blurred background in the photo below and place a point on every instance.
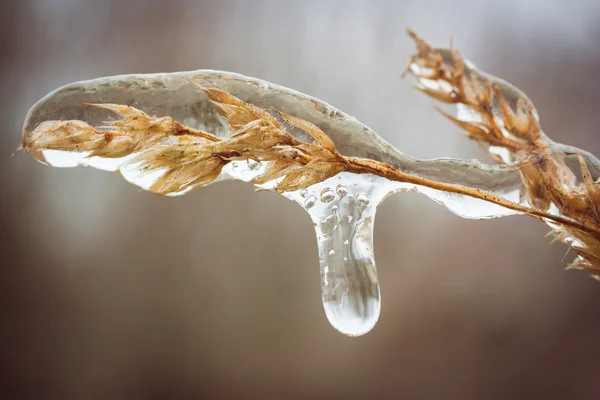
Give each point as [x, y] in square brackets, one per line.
[111, 293]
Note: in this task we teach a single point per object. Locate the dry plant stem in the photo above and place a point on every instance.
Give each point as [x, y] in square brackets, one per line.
[359, 165]
[494, 123]
[192, 158]
[245, 118]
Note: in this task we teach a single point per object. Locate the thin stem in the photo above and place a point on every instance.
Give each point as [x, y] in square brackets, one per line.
[359, 165]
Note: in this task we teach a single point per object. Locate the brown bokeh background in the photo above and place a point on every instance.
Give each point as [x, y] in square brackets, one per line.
[111, 293]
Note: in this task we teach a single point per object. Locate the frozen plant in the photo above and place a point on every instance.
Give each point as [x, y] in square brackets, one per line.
[172, 133]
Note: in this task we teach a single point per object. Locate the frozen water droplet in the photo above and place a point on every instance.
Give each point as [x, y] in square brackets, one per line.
[327, 195]
[350, 288]
[309, 202]
[362, 199]
[303, 193]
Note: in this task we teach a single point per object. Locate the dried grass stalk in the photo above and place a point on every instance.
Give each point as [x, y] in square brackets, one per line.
[513, 125]
[192, 158]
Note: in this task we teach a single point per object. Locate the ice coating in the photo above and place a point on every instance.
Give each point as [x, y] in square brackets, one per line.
[511, 95]
[342, 208]
[173, 95]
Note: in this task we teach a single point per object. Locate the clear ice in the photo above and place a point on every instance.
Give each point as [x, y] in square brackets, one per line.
[342, 208]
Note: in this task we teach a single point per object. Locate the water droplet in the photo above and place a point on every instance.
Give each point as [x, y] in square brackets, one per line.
[362, 199]
[344, 229]
[303, 193]
[264, 85]
[327, 195]
[309, 202]
[350, 288]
